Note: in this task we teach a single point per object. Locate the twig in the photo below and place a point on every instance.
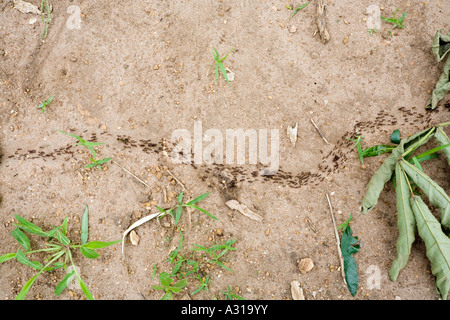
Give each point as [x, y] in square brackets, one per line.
[130, 173]
[337, 240]
[318, 130]
[175, 178]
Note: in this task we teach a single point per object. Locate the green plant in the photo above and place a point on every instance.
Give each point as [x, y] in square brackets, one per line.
[215, 257]
[412, 212]
[45, 103]
[204, 283]
[176, 211]
[59, 247]
[298, 8]
[357, 141]
[397, 22]
[230, 296]
[90, 146]
[349, 246]
[45, 20]
[166, 284]
[219, 64]
[372, 31]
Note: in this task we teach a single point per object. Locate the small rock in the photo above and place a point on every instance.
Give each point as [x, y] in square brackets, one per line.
[159, 175]
[292, 29]
[345, 41]
[297, 291]
[219, 232]
[155, 67]
[134, 238]
[267, 232]
[305, 265]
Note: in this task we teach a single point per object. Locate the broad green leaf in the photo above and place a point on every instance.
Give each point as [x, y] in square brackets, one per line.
[89, 253]
[442, 139]
[99, 244]
[29, 226]
[395, 136]
[178, 214]
[386, 170]
[436, 195]
[20, 256]
[199, 198]
[7, 257]
[349, 246]
[165, 279]
[406, 223]
[84, 288]
[85, 225]
[21, 238]
[64, 282]
[202, 210]
[436, 242]
[180, 198]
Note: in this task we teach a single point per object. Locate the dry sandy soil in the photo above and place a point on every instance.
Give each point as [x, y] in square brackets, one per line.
[135, 71]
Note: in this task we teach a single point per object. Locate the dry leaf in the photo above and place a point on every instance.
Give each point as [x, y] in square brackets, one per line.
[242, 208]
[297, 291]
[292, 134]
[26, 7]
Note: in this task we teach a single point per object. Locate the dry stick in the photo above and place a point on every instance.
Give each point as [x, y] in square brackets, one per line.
[337, 240]
[130, 173]
[318, 130]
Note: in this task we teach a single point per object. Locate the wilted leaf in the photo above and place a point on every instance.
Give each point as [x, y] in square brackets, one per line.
[406, 223]
[436, 195]
[242, 208]
[436, 242]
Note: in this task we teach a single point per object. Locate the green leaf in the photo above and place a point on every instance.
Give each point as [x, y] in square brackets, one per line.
[20, 256]
[84, 288]
[62, 238]
[21, 238]
[22, 294]
[395, 136]
[345, 224]
[199, 198]
[202, 210]
[299, 7]
[436, 242]
[433, 151]
[165, 279]
[180, 197]
[74, 136]
[220, 60]
[64, 282]
[64, 226]
[406, 223]
[7, 257]
[436, 195]
[178, 214]
[349, 246]
[224, 72]
[89, 253]
[442, 139]
[99, 244]
[29, 226]
[85, 225]
[377, 150]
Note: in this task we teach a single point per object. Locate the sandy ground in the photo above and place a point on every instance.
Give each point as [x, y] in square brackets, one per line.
[132, 72]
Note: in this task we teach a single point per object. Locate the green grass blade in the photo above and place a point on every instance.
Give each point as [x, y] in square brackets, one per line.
[300, 7]
[64, 282]
[220, 60]
[198, 199]
[85, 225]
[216, 71]
[224, 72]
[203, 210]
[21, 238]
[30, 227]
[436, 242]
[22, 294]
[406, 223]
[64, 226]
[20, 256]
[436, 195]
[99, 244]
[84, 288]
[74, 136]
[7, 257]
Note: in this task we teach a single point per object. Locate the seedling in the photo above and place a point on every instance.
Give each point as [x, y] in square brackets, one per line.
[215, 257]
[45, 19]
[358, 146]
[372, 31]
[218, 64]
[59, 248]
[178, 208]
[230, 296]
[90, 146]
[166, 285]
[45, 103]
[298, 8]
[413, 214]
[204, 284]
[397, 22]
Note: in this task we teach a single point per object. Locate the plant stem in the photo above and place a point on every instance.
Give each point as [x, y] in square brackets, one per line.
[443, 124]
[418, 143]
